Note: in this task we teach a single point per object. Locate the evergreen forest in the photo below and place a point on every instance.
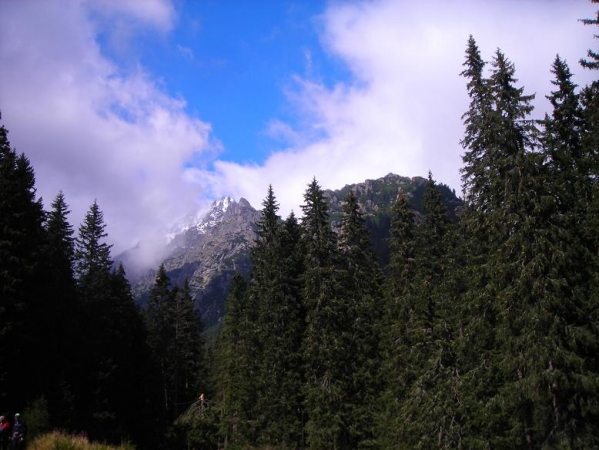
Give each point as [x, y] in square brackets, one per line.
[482, 332]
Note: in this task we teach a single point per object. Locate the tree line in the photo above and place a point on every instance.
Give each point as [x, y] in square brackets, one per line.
[75, 348]
[480, 333]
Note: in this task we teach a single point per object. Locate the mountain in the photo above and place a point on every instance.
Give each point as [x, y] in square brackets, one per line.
[376, 197]
[207, 252]
[208, 249]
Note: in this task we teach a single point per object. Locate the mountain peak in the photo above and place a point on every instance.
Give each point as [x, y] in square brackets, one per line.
[216, 214]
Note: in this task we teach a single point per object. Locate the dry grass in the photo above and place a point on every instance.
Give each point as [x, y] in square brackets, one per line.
[61, 441]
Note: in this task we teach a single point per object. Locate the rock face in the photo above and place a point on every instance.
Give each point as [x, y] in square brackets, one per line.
[207, 254]
[208, 249]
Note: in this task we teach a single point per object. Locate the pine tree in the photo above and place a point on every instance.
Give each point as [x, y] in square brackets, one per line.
[21, 293]
[280, 329]
[188, 349]
[426, 342]
[158, 319]
[236, 358]
[327, 336]
[363, 292]
[475, 182]
[131, 387]
[114, 341]
[518, 379]
[63, 315]
[92, 255]
[565, 157]
[593, 61]
[399, 289]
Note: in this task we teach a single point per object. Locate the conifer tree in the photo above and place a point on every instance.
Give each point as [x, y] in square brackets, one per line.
[188, 350]
[21, 238]
[517, 380]
[92, 255]
[132, 389]
[363, 292]
[64, 314]
[426, 340]
[158, 318]
[327, 337]
[593, 57]
[113, 339]
[280, 329]
[399, 289]
[565, 158]
[236, 365]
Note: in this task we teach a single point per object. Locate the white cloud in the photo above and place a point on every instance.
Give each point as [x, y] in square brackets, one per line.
[96, 130]
[401, 111]
[89, 128]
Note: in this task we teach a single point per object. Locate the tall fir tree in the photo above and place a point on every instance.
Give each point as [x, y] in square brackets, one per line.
[517, 380]
[567, 162]
[21, 292]
[114, 340]
[236, 360]
[363, 291]
[158, 319]
[188, 350]
[280, 328]
[398, 291]
[426, 409]
[327, 337]
[64, 313]
[593, 57]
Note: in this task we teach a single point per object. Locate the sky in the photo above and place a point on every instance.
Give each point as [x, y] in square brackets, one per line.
[155, 108]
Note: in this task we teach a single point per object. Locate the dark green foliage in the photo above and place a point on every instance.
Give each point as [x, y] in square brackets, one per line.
[419, 395]
[187, 350]
[362, 291]
[21, 238]
[327, 339]
[174, 337]
[275, 289]
[396, 313]
[61, 320]
[524, 350]
[113, 391]
[236, 361]
[593, 57]
[485, 334]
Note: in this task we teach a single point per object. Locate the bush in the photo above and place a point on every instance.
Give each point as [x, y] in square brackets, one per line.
[62, 441]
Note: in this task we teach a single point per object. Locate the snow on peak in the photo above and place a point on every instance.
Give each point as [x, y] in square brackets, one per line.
[202, 220]
[215, 215]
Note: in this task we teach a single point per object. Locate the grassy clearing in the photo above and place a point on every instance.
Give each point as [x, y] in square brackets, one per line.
[62, 441]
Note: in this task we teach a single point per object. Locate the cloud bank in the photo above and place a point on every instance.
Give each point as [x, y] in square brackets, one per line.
[401, 111]
[98, 128]
[91, 128]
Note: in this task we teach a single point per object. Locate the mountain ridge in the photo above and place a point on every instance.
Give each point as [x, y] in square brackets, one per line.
[207, 249]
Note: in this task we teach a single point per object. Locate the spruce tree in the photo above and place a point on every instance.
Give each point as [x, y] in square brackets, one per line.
[21, 291]
[518, 380]
[188, 350]
[327, 337]
[92, 255]
[236, 358]
[398, 292]
[132, 388]
[158, 319]
[363, 292]
[565, 158]
[64, 314]
[279, 330]
[593, 57]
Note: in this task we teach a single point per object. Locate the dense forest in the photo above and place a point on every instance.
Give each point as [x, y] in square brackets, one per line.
[482, 332]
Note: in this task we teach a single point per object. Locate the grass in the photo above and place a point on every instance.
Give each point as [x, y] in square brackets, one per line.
[62, 441]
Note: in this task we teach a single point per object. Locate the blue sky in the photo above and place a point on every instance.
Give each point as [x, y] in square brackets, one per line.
[157, 107]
